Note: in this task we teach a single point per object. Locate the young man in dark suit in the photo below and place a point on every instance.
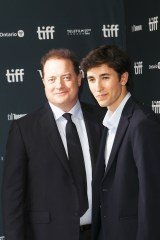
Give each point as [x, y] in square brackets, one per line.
[126, 184]
[41, 197]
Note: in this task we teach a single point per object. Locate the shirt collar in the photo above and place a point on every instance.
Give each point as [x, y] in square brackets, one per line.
[111, 119]
[75, 111]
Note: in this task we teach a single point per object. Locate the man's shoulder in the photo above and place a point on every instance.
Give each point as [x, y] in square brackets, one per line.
[94, 111]
[143, 113]
[34, 115]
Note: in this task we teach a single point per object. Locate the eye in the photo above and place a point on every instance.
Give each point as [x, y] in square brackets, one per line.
[105, 77]
[51, 80]
[66, 77]
[91, 80]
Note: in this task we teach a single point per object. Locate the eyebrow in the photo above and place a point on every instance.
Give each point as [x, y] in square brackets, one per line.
[101, 75]
[65, 74]
[104, 74]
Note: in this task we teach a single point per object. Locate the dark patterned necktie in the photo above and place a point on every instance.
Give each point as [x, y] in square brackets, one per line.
[76, 161]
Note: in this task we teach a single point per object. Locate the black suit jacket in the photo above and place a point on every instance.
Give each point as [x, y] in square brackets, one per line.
[126, 197]
[39, 196]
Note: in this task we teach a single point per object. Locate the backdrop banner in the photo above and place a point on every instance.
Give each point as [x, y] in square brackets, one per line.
[28, 30]
[143, 35]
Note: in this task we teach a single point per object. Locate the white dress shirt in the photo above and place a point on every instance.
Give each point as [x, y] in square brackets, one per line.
[77, 118]
[111, 121]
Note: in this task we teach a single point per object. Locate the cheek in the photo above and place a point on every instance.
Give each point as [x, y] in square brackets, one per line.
[115, 87]
[93, 91]
[49, 88]
[73, 87]
[91, 87]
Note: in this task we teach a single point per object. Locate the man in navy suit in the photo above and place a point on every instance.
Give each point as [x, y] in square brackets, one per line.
[40, 197]
[126, 184]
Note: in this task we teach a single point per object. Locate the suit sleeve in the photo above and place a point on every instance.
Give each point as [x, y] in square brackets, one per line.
[147, 156]
[14, 182]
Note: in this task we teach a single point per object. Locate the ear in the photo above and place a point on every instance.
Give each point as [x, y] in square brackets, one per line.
[124, 78]
[79, 79]
[43, 81]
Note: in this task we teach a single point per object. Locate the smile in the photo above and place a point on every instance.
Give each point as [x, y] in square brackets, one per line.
[101, 96]
[60, 93]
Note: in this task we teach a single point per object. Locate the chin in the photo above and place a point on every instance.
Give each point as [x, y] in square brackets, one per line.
[101, 104]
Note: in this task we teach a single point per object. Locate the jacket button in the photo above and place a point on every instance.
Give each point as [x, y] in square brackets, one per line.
[104, 190]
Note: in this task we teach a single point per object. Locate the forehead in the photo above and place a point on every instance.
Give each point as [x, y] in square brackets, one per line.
[58, 66]
[101, 69]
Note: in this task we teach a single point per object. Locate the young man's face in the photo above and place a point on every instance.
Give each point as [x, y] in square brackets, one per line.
[61, 83]
[106, 86]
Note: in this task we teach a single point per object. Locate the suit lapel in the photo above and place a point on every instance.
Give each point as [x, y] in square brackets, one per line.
[121, 130]
[91, 126]
[100, 166]
[51, 130]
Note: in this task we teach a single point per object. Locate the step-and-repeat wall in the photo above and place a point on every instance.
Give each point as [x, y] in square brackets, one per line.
[143, 45]
[28, 29]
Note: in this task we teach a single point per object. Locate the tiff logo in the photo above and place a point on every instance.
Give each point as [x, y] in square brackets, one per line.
[14, 116]
[153, 23]
[138, 66]
[156, 106]
[45, 32]
[40, 73]
[110, 30]
[2, 238]
[15, 75]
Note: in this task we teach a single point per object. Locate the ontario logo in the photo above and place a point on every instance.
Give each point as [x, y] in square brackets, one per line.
[19, 33]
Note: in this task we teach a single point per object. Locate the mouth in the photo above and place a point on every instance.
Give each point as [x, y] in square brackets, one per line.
[60, 93]
[101, 96]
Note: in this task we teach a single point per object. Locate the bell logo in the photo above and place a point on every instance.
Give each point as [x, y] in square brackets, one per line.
[110, 30]
[45, 32]
[15, 75]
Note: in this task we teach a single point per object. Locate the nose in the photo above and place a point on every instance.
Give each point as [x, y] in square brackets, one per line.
[59, 83]
[98, 86]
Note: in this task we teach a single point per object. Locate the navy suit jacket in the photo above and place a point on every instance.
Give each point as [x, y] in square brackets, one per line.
[126, 197]
[39, 196]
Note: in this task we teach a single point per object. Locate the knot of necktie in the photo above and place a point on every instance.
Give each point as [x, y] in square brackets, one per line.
[67, 116]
